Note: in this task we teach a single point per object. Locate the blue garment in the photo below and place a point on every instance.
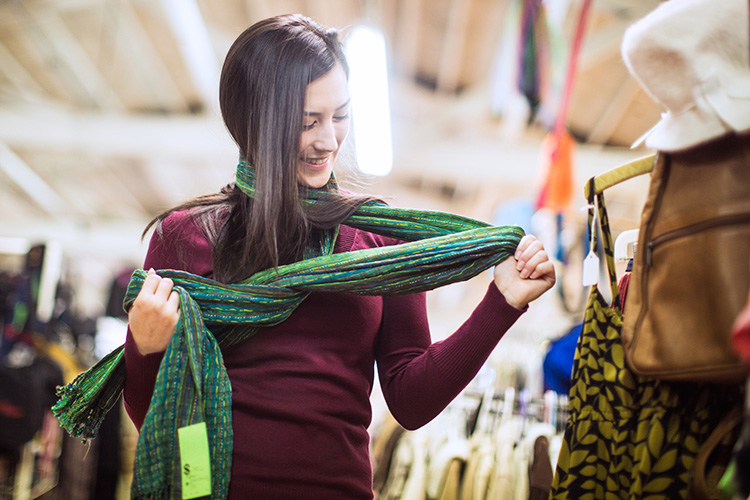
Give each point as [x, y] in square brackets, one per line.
[558, 362]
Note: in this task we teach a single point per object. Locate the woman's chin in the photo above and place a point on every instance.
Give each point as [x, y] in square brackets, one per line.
[315, 180]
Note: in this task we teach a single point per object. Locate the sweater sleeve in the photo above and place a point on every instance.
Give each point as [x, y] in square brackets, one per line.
[420, 378]
[179, 245]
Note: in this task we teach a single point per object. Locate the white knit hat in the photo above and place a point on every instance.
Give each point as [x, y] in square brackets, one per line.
[693, 57]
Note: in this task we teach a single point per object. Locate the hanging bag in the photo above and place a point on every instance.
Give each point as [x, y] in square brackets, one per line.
[692, 267]
[628, 437]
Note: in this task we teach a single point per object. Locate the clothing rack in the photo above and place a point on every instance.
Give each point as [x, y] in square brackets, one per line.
[551, 408]
[619, 174]
[481, 446]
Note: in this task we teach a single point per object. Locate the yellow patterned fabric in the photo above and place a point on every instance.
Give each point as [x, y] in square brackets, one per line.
[628, 437]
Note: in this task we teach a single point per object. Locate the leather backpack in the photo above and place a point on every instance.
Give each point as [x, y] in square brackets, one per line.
[691, 273]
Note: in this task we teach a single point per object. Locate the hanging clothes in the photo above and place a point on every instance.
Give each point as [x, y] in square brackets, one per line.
[383, 450]
[533, 54]
[558, 146]
[540, 470]
[558, 362]
[628, 437]
[478, 467]
[483, 446]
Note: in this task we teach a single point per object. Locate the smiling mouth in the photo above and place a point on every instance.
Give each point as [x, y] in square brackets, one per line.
[316, 162]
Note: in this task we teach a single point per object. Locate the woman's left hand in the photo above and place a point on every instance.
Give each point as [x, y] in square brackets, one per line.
[527, 276]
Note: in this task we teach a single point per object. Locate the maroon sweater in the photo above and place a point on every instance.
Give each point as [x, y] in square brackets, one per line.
[301, 389]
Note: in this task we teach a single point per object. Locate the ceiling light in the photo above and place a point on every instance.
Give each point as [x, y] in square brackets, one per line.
[368, 83]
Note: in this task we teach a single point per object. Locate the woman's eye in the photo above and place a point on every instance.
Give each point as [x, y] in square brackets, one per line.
[309, 126]
[341, 117]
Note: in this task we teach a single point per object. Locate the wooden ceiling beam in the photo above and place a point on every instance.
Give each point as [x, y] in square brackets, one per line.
[115, 239]
[407, 36]
[68, 5]
[65, 6]
[614, 112]
[55, 39]
[149, 198]
[452, 51]
[189, 29]
[602, 44]
[487, 33]
[31, 183]
[22, 81]
[131, 136]
[132, 198]
[141, 51]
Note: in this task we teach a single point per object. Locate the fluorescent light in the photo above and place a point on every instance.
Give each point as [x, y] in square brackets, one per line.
[368, 83]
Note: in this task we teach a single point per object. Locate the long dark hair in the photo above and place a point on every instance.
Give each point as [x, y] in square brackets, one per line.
[261, 94]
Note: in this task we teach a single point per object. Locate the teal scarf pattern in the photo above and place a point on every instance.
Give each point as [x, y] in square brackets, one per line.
[192, 385]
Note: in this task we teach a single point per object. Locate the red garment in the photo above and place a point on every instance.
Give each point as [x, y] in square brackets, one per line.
[301, 389]
[622, 288]
[741, 334]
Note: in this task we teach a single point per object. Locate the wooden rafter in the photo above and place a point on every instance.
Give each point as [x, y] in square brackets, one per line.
[487, 28]
[22, 81]
[614, 112]
[199, 57]
[452, 51]
[408, 33]
[602, 44]
[117, 239]
[145, 136]
[141, 51]
[31, 183]
[54, 37]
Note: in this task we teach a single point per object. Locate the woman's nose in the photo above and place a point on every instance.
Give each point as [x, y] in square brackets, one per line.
[326, 138]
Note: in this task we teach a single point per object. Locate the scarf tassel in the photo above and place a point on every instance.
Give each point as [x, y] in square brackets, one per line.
[84, 402]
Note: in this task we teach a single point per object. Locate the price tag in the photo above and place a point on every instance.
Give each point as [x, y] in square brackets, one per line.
[590, 269]
[591, 261]
[195, 461]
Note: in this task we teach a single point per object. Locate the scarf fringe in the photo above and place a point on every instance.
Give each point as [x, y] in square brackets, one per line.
[84, 403]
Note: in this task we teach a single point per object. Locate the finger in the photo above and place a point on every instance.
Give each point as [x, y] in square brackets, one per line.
[527, 240]
[534, 247]
[174, 301]
[545, 269]
[532, 264]
[520, 249]
[150, 284]
[164, 289]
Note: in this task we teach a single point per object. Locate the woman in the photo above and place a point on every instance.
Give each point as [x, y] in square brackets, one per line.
[300, 389]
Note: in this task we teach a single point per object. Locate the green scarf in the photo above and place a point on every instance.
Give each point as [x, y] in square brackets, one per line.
[192, 384]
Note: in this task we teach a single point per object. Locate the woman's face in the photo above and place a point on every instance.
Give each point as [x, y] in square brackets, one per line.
[324, 127]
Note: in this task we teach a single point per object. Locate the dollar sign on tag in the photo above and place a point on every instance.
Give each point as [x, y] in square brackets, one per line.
[195, 460]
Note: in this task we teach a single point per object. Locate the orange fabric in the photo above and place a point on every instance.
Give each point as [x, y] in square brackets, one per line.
[557, 168]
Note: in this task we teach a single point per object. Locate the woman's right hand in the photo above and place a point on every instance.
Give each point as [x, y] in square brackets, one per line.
[153, 316]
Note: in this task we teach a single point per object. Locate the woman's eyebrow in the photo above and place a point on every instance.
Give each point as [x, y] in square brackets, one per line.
[318, 113]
